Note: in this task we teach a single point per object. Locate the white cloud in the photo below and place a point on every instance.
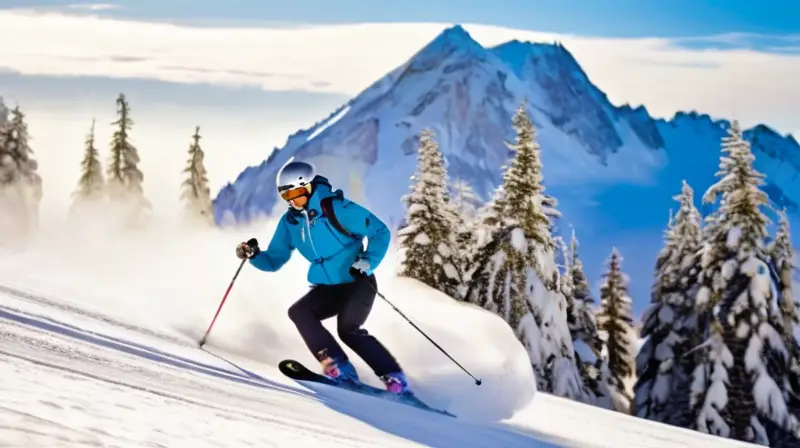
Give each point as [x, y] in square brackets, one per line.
[94, 6]
[748, 85]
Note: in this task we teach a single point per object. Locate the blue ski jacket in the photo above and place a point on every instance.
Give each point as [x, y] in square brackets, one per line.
[330, 251]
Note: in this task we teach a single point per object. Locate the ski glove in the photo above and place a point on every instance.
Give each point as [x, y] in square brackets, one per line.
[248, 249]
[359, 268]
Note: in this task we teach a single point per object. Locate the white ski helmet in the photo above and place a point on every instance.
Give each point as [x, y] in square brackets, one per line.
[294, 174]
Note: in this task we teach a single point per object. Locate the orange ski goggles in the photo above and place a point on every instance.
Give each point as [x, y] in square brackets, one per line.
[295, 193]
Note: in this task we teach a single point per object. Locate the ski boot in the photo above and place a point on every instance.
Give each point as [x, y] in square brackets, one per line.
[337, 370]
[396, 383]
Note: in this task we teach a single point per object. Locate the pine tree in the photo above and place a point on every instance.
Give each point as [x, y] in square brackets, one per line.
[119, 145]
[196, 192]
[428, 241]
[465, 244]
[664, 364]
[606, 386]
[550, 208]
[465, 204]
[4, 113]
[124, 177]
[91, 184]
[20, 182]
[615, 321]
[131, 173]
[586, 340]
[464, 199]
[783, 262]
[738, 387]
[514, 272]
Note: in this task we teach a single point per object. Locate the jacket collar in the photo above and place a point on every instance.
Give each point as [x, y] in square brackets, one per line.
[320, 189]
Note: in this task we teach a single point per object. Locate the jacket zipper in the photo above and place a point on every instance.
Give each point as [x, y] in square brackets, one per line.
[314, 249]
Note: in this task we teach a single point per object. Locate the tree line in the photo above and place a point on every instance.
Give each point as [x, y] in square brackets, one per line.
[116, 191]
[20, 182]
[718, 352]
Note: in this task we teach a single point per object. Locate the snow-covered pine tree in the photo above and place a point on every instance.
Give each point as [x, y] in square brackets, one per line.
[119, 144]
[738, 389]
[20, 182]
[196, 193]
[615, 321]
[464, 199]
[664, 364]
[655, 360]
[4, 112]
[124, 177]
[514, 272]
[586, 341]
[428, 241]
[91, 184]
[602, 381]
[550, 207]
[783, 262]
[465, 204]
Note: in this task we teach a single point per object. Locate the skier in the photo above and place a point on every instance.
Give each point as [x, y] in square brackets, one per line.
[328, 230]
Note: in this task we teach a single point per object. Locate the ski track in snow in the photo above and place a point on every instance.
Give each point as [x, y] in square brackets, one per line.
[52, 372]
[70, 385]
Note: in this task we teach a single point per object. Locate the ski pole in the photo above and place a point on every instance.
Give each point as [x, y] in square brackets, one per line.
[224, 298]
[477, 381]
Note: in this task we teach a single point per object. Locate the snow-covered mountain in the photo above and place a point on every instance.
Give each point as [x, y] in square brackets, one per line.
[613, 168]
[467, 94]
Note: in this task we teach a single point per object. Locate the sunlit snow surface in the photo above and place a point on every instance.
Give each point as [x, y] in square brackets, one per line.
[98, 348]
[59, 390]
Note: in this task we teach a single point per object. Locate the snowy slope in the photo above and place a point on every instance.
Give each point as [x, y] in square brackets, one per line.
[61, 391]
[94, 353]
[613, 168]
[79, 391]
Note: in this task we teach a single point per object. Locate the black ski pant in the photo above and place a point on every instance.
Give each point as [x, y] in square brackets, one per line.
[351, 303]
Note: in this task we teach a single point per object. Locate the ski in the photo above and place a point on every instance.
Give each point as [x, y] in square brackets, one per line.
[298, 372]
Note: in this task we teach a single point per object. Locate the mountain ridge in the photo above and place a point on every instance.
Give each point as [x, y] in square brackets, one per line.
[599, 159]
[595, 129]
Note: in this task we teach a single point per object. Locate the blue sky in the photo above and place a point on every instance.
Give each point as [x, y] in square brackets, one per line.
[619, 18]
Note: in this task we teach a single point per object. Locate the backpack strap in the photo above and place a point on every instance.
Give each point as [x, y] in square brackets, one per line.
[327, 210]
